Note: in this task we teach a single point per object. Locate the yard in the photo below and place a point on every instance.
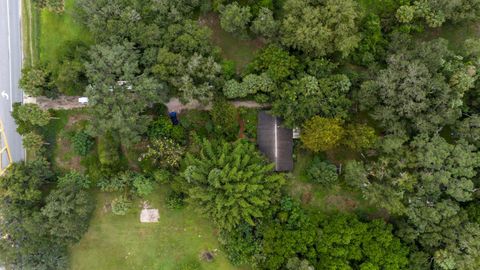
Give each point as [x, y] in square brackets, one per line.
[232, 48]
[56, 29]
[177, 241]
[328, 199]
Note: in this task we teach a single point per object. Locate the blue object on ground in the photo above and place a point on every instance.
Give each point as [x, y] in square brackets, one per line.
[173, 117]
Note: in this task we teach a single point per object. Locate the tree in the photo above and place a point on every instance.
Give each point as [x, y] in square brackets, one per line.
[413, 93]
[235, 19]
[29, 116]
[426, 181]
[119, 93]
[164, 153]
[264, 24]
[321, 29]
[276, 62]
[230, 182]
[346, 243]
[251, 85]
[469, 129]
[194, 77]
[359, 137]
[321, 134]
[68, 208]
[225, 118]
[289, 232]
[322, 172]
[34, 81]
[32, 141]
[301, 99]
[28, 245]
[435, 13]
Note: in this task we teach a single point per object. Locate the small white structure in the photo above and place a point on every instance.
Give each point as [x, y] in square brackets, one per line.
[149, 216]
[83, 100]
[296, 133]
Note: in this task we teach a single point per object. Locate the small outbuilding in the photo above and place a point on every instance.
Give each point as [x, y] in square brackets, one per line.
[275, 141]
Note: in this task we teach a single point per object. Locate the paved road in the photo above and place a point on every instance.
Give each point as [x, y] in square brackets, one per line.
[10, 68]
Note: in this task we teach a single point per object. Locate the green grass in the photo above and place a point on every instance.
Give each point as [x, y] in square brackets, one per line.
[56, 29]
[53, 131]
[122, 242]
[232, 48]
[326, 200]
[456, 34]
[30, 32]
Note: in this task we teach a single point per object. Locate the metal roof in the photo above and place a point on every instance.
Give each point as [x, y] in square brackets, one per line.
[275, 141]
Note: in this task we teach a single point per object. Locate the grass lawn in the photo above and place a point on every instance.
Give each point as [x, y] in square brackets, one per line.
[456, 34]
[56, 29]
[58, 145]
[327, 200]
[232, 48]
[30, 32]
[122, 242]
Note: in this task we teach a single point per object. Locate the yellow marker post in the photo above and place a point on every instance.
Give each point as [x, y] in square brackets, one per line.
[4, 150]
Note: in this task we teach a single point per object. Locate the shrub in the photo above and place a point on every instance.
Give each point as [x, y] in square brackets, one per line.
[224, 117]
[142, 186]
[198, 121]
[162, 176]
[175, 200]
[162, 127]
[121, 205]
[165, 153]
[229, 69]
[82, 143]
[322, 172]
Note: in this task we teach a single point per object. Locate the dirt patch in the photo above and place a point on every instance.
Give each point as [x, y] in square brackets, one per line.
[241, 131]
[379, 214]
[341, 203]
[62, 102]
[76, 118]
[65, 159]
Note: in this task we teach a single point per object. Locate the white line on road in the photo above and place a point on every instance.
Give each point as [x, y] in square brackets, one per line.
[9, 54]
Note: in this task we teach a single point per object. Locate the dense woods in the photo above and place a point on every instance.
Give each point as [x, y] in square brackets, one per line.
[386, 110]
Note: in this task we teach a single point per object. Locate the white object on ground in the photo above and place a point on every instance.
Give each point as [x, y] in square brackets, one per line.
[149, 215]
[83, 100]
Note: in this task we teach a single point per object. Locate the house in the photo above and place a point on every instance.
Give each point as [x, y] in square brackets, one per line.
[275, 141]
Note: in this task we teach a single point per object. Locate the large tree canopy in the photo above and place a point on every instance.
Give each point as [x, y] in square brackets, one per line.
[119, 93]
[426, 180]
[421, 89]
[231, 182]
[320, 29]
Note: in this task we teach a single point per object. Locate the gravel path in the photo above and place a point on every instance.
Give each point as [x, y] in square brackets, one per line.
[173, 105]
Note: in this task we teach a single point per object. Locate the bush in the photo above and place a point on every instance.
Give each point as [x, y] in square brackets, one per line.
[82, 143]
[322, 172]
[162, 127]
[229, 68]
[162, 176]
[224, 117]
[175, 200]
[198, 121]
[142, 186]
[121, 205]
[165, 153]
